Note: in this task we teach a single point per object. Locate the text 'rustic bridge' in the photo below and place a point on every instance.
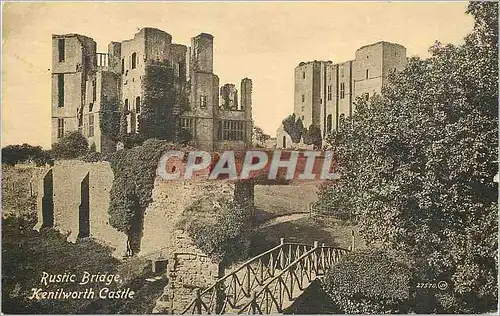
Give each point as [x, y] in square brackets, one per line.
[267, 283]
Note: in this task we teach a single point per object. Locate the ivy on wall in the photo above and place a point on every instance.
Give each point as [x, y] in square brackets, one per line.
[134, 172]
[165, 99]
[110, 115]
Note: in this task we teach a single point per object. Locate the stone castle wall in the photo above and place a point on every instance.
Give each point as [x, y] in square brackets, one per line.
[67, 178]
[188, 267]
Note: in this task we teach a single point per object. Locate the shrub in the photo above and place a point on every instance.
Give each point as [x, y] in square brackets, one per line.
[219, 227]
[72, 145]
[94, 157]
[370, 281]
[13, 154]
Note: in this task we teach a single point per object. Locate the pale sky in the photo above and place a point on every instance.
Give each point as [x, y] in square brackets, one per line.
[260, 40]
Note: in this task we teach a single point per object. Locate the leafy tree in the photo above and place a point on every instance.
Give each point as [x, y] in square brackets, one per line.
[72, 145]
[418, 164]
[259, 135]
[294, 128]
[312, 136]
[13, 154]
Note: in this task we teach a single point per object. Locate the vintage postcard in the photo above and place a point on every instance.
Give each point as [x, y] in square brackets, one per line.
[334, 157]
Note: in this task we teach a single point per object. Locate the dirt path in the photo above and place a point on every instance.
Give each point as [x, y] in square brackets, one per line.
[282, 219]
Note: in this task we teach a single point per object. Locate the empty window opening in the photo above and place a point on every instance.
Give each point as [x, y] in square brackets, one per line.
[61, 44]
[134, 60]
[203, 101]
[60, 90]
[94, 90]
[60, 128]
[138, 104]
[91, 125]
[232, 130]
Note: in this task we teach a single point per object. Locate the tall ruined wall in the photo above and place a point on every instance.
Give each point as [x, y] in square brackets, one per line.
[63, 186]
[66, 182]
[188, 266]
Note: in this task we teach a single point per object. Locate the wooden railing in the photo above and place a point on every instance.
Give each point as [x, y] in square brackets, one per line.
[267, 283]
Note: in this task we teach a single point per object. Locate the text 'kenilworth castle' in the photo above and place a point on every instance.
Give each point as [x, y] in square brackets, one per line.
[82, 77]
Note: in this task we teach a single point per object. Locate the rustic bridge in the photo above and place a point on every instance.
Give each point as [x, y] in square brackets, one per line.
[267, 283]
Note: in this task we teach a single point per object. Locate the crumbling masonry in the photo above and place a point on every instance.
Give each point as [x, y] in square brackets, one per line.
[82, 78]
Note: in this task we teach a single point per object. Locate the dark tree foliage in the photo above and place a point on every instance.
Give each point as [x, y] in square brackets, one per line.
[72, 145]
[110, 115]
[13, 154]
[418, 164]
[294, 128]
[312, 136]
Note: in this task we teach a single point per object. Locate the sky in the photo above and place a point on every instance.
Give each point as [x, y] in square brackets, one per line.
[263, 41]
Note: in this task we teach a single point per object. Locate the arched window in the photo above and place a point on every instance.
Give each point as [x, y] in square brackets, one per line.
[284, 141]
[126, 105]
[137, 104]
[134, 60]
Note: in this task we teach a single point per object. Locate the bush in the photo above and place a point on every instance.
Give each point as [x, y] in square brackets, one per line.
[94, 157]
[14, 154]
[220, 228]
[370, 281]
[72, 145]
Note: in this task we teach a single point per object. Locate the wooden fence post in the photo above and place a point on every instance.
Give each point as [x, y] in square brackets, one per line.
[198, 302]
[282, 253]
